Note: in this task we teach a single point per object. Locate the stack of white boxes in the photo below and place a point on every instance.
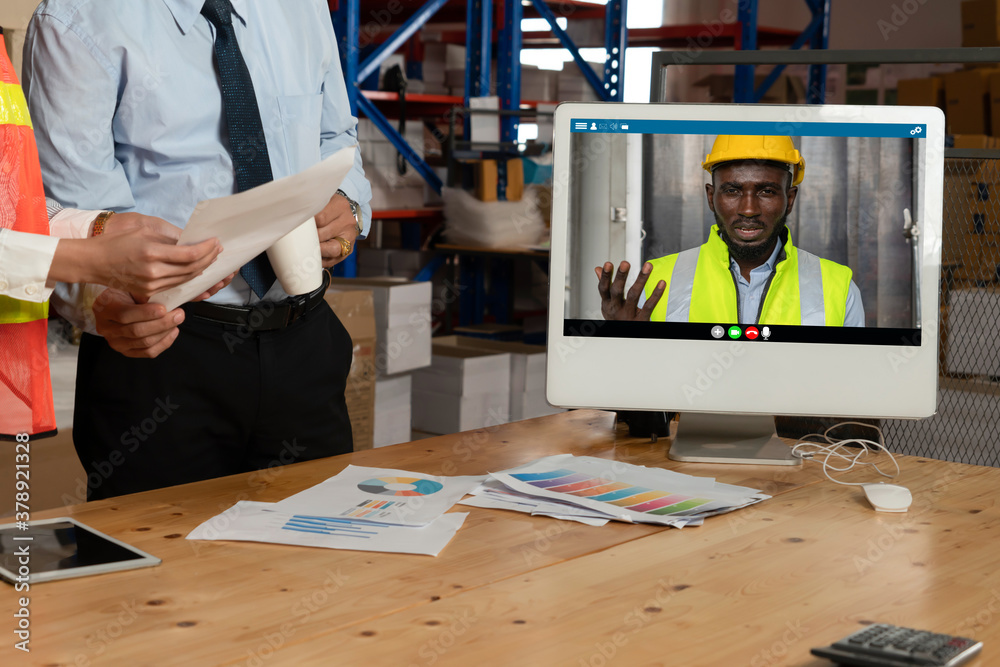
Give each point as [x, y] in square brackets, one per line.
[527, 373]
[463, 389]
[390, 189]
[573, 87]
[392, 409]
[439, 59]
[403, 344]
[538, 85]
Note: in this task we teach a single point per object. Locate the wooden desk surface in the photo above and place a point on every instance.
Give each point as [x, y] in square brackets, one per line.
[756, 587]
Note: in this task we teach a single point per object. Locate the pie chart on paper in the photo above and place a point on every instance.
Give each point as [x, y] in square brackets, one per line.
[400, 486]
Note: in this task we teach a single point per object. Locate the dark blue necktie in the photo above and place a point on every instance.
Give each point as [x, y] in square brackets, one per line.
[246, 133]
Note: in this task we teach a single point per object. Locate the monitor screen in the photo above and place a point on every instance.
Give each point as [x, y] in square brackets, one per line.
[780, 260]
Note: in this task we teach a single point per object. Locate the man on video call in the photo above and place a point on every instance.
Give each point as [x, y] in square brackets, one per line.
[748, 271]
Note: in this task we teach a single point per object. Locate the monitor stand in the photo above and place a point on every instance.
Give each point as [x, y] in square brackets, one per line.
[723, 438]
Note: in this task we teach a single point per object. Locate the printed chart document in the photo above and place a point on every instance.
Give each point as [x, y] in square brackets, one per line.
[380, 495]
[494, 495]
[626, 492]
[248, 223]
[250, 521]
[365, 509]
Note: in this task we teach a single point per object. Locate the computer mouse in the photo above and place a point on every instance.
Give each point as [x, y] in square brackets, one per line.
[888, 497]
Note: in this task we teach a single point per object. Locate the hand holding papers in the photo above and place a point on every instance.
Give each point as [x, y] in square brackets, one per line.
[251, 222]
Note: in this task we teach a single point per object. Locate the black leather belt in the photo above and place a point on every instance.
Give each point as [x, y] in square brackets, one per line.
[262, 316]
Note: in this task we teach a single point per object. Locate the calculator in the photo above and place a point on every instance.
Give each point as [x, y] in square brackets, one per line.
[883, 645]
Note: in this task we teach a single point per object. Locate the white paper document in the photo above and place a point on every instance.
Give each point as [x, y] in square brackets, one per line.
[248, 223]
[494, 495]
[380, 495]
[249, 521]
[626, 492]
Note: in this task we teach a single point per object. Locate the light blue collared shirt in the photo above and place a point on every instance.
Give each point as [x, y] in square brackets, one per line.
[751, 293]
[128, 113]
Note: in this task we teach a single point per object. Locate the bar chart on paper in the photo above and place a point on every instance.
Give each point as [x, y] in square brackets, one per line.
[330, 526]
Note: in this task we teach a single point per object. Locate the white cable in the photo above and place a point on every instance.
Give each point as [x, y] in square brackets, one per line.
[835, 449]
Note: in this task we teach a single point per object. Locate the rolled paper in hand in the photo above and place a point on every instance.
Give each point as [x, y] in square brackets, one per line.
[296, 259]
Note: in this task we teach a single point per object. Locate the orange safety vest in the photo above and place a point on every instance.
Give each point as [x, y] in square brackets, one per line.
[25, 384]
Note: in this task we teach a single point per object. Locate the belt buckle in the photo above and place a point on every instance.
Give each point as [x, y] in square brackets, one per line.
[258, 314]
[296, 308]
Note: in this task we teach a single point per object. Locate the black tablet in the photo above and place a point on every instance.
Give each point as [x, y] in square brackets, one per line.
[62, 548]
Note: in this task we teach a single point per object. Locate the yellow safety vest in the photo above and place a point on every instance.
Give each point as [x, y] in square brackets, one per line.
[804, 289]
[25, 385]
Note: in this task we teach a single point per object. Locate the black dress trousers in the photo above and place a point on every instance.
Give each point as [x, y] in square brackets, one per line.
[221, 400]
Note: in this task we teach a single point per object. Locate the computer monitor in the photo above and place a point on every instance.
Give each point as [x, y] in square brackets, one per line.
[841, 320]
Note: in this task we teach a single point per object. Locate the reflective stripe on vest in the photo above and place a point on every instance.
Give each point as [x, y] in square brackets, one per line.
[804, 289]
[13, 106]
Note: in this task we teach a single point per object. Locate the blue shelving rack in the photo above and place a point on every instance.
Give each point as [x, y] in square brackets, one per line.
[479, 42]
[817, 34]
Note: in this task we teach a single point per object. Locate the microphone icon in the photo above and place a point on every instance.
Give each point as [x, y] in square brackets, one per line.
[766, 332]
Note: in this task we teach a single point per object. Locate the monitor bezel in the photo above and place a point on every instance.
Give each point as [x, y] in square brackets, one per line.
[741, 377]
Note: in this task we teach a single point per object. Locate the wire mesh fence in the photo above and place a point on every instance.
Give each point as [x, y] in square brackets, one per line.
[966, 427]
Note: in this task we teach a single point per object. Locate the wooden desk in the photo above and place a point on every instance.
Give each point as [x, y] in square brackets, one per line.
[757, 587]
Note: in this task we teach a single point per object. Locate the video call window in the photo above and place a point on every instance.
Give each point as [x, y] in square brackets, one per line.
[783, 231]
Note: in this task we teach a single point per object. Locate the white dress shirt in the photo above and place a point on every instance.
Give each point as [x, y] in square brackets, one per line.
[128, 112]
[25, 258]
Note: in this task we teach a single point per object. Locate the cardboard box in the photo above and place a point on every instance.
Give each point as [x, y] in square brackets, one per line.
[527, 373]
[356, 311]
[980, 23]
[967, 101]
[486, 178]
[994, 93]
[926, 92]
[402, 321]
[392, 409]
[970, 141]
[462, 389]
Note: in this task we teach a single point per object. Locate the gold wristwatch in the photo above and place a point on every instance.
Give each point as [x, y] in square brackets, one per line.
[355, 211]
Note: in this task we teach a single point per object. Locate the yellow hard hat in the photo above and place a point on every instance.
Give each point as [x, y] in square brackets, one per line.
[729, 147]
